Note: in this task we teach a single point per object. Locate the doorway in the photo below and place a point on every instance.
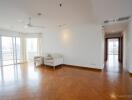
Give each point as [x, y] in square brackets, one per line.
[114, 54]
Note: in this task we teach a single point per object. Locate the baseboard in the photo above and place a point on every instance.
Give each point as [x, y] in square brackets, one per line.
[82, 67]
[130, 73]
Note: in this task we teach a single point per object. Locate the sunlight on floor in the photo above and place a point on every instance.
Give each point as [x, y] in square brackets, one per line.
[13, 73]
[113, 63]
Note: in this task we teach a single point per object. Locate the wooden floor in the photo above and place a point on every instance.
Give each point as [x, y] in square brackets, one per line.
[113, 64]
[24, 82]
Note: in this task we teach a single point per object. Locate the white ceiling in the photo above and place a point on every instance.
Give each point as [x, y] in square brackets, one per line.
[14, 13]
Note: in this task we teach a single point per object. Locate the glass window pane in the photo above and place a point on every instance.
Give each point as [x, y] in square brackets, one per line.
[113, 46]
[31, 48]
[0, 52]
[10, 50]
[17, 52]
[7, 50]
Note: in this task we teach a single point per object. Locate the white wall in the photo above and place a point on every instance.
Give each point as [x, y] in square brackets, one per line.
[129, 48]
[82, 45]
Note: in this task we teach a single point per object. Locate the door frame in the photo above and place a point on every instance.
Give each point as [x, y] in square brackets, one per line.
[120, 48]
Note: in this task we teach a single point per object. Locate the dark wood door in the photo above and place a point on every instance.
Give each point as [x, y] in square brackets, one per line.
[106, 49]
[121, 49]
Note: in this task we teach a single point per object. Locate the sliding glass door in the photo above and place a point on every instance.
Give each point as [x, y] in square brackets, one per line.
[14, 50]
[31, 48]
[17, 56]
[9, 51]
[0, 53]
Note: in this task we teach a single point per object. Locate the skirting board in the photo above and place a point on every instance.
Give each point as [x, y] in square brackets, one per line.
[82, 67]
[130, 73]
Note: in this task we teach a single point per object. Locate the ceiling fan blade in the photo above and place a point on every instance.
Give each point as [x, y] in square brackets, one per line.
[29, 24]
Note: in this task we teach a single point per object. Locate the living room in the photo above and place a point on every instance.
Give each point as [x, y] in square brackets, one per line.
[59, 49]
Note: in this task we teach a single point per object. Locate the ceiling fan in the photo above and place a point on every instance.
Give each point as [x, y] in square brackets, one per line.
[29, 24]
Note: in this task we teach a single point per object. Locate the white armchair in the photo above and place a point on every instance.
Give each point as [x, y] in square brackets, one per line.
[38, 60]
[53, 60]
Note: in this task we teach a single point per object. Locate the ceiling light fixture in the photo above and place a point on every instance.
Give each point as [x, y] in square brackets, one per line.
[60, 3]
[39, 14]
